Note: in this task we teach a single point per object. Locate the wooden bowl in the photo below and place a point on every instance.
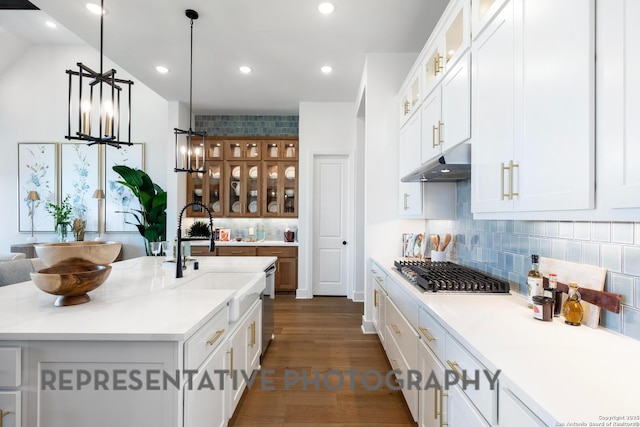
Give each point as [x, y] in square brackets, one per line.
[71, 282]
[78, 253]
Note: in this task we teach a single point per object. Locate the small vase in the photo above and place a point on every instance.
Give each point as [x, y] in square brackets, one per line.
[62, 233]
[78, 229]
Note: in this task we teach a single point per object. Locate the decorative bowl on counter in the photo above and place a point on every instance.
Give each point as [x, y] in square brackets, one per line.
[71, 282]
[78, 253]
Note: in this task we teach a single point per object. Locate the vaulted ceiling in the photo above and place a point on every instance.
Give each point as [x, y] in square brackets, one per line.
[285, 42]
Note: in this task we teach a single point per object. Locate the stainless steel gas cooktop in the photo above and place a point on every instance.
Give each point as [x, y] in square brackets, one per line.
[450, 277]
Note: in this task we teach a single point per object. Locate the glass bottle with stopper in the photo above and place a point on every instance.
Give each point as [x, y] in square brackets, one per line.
[572, 309]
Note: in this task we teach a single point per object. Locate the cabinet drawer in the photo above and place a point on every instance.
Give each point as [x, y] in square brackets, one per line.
[463, 363]
[379, 275]
[10, 367]
[432, 333]
[405, 302]
[10, 402]
[403, 333]
[398, 363]
[277, 251]
[236, 251]
[206, 339]
[201, 251]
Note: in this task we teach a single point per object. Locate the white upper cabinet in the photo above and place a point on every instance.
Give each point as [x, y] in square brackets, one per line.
[619, 103]
[409, 159]
[446, 111]
[533, 108]
[449, 42]
[482, 12]
[493, 113]
[410, 98]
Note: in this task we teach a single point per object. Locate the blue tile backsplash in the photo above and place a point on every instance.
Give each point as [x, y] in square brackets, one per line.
[503, 248]
[243, 125]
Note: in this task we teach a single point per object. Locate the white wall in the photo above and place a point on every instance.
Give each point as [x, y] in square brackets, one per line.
[382, 77]
[33, 98]
[324, 128]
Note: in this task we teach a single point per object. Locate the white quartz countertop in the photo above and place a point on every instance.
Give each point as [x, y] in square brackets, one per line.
[141, 300]
[564, 374]
[245, 243]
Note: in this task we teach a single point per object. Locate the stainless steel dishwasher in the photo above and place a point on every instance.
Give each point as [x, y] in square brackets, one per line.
[268, 299]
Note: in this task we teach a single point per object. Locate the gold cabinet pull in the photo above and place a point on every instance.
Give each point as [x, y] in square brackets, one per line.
[442, 395]
[406, 199]
[426, 334]
[512, 167]
[454, 367]
[435, 403]
[213, 340]
[230, 352]
[2, 415]
[394, 365]
[405, 107]
[375, 297]
[254, 333]
[504, 168]
[440, 125]
[395, 328]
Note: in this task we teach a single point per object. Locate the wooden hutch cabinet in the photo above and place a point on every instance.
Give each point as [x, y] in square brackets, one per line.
[247, 178]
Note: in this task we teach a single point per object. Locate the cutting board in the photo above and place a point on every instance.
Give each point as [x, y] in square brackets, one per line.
[587, 276]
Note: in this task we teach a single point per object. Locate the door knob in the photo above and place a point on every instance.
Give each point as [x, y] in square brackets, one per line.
[344, 242]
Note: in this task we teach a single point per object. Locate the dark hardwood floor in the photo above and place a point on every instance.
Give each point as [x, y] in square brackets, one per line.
[319, 335]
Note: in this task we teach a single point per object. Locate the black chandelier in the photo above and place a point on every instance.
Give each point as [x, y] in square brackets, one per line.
[99, 116]
[190, 156]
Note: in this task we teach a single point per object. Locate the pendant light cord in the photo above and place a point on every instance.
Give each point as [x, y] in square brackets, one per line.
[191, 77]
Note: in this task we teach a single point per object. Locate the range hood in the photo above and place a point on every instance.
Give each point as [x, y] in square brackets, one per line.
[453, 165]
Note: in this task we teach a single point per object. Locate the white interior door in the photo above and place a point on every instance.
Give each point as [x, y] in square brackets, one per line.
[330, 228]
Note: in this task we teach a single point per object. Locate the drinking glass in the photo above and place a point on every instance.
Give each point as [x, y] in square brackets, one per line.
[155, 248]
[166, 245]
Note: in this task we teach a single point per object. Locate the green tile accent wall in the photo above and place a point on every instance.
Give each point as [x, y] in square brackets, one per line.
[242, 125]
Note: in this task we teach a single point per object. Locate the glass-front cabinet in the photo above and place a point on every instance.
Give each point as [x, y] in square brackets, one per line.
[246, 178]
[280, 189]
[243, 189]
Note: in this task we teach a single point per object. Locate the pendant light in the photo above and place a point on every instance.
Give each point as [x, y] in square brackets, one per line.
[96, 102]
[190, 153]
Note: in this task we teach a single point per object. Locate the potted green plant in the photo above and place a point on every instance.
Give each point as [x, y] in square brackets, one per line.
[151, 218]
[62, 215]
[199, 229]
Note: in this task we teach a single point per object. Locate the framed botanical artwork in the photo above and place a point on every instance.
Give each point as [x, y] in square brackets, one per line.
[36, 172]
[80, 177]
[118, 198]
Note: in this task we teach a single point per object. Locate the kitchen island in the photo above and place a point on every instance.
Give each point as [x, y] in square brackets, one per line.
[137, 353]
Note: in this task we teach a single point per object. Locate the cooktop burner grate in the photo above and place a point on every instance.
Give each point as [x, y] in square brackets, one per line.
[449, 277]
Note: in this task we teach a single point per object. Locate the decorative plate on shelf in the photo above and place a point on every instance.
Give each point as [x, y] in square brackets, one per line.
[235, 207]
[215, 206]
[253, 172]
[290, 172]
[236, 172]
[253, 207]
[273, 207]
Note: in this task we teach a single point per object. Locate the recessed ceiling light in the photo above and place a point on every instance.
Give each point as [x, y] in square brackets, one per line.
[326, 69]
[162, 69]
[94, 8]
[244, 69]
[50, 24]
[326, 8]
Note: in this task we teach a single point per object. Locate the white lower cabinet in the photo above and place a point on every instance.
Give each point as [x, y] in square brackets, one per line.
[462, 412]
[207, 406]
[379, 303]
[512, 412]
[244, 353]
[10, 409]
[433, 398]
[402, 350]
